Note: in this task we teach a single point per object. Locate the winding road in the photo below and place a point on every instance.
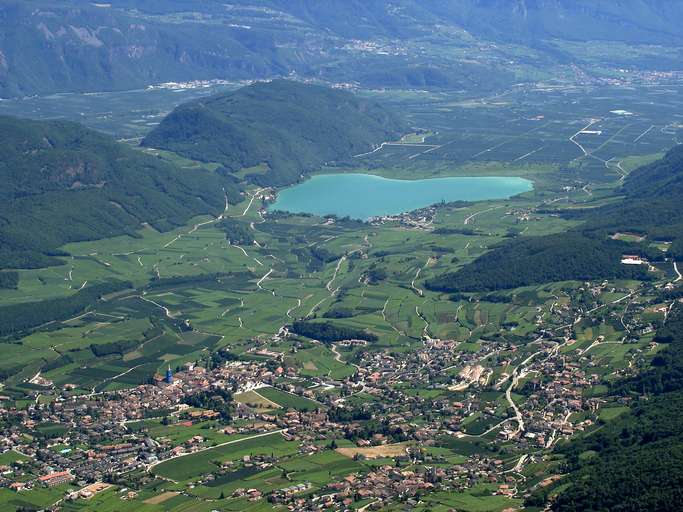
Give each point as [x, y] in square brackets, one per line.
[334, 276]
[471, 217]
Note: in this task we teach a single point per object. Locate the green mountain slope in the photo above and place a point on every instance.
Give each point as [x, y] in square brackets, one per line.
[64, 183]
[64, 46]
[290, 127]
[652, 207]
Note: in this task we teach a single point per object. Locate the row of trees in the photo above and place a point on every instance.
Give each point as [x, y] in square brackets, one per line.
[17, 318]
[329, 332]
[9, 280]
[237, 233]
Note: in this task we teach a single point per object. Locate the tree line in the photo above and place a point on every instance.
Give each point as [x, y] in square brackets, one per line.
[329, 332]
[17, 318]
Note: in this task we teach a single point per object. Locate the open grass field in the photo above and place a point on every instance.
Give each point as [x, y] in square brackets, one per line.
[471, 502]
[288, 400]
[203, 462]
[35, 499]
[161, 498]
[375, 452]
[256, 401]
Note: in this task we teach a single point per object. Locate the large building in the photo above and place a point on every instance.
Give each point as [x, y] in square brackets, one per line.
[58, 478]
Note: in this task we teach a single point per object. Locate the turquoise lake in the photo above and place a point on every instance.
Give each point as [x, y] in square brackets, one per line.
[361, 196]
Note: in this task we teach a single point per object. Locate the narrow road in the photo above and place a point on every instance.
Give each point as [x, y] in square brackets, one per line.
[420, 291]
[585, 153]
[246, 210]
[334, 276]
[337, 355]
[241, 249]
[167, 312]
[520, 463]
[406, 144]
[644, 133]
[289, 311]
[425, 331]
[516, 374]
[315, 307]
[528, 154]
[494, 427]
[153, 464]
[384, 317]
[619, 168]
[258, 285]
[199, 225]
[680, 277]
[471, 217]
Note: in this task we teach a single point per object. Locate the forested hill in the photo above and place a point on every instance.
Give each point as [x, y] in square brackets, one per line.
[287, 128]
[652, 207]
[654, 195]
[62, 183]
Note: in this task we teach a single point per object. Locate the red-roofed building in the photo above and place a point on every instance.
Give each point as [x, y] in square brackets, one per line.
[58, 478]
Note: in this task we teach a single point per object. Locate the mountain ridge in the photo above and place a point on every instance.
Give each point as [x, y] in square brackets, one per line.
[289, 127]
[65, 183]
[78, 46]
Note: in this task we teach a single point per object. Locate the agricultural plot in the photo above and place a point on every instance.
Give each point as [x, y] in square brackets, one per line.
[206, 461]
[476, 500]
[288, 400]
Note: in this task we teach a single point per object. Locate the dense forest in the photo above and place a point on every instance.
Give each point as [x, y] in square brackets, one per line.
[9, 280]
[281, 129]
[329, 332]
[65, 183]
[652, 207]
[633, 462]
[537, 260]
[654, 194]
[236, 232]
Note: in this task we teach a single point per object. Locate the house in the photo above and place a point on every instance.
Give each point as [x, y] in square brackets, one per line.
[629, 259]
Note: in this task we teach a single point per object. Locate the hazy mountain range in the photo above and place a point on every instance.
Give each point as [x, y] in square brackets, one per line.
[75, 45]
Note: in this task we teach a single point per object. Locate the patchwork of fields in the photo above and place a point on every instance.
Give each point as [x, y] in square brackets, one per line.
[192, 294]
